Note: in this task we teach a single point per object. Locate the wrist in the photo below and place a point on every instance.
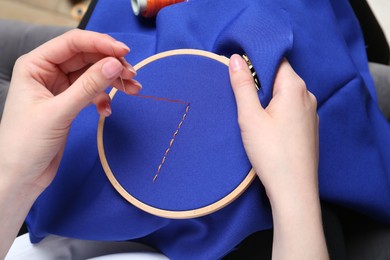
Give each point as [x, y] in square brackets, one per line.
[16, 190]
[298, 226]
[294, 187]
[296, 202]
[298, 207]
[16, 176]
[16, 200]
[14, 185]
[295, 198]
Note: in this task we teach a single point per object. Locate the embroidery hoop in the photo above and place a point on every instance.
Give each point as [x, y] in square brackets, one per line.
[181, 214]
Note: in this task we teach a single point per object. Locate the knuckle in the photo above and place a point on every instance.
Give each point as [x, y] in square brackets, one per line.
[89, 84]
[313, 99]
[299, 83]
[21, 60]
[28, 65]
[73, 32]
[244, 82]
[291, 83]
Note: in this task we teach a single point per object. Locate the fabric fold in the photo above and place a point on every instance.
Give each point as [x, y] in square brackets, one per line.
[323, 43]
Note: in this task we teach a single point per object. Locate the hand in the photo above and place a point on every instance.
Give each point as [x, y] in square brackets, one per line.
[49, 87]
[281, 142]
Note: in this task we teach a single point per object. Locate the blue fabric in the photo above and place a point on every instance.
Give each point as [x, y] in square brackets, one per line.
[323, 42]
[201, 167]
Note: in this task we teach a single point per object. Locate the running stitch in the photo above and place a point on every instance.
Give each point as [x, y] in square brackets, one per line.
[174, 134]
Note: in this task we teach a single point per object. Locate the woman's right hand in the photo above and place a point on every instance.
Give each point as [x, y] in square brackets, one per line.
[281, 142]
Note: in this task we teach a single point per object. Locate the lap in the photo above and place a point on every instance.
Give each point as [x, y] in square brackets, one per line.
[55, 247]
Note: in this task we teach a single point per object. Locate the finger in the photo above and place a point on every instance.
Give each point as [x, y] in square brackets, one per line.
[103, 100]
[126, 74]
[243, 86]
[82, 60]
[76, 41]
[103, 104]
[126, 84]
[286, 76]
[130, 86]
[312, 99]
[89, 85]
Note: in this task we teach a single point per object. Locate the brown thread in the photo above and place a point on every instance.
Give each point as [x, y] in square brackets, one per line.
[160, 99]
[178, 127]
[174, 134]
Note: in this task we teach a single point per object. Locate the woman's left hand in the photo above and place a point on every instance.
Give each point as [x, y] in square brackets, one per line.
[49, 87]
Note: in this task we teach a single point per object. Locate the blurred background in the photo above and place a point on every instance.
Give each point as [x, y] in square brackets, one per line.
[381, 9]
[48, 12]
[69, 12]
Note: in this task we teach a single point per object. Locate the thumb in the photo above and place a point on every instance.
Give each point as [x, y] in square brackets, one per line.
[89, 85]
[244, 87]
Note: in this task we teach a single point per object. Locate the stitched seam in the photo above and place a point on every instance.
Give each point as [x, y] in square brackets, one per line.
[171, 142]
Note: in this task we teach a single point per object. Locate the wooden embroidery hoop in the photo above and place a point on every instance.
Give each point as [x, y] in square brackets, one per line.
[182, 214]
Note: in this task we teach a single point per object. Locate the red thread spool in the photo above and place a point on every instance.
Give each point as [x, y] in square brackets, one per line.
[150, 8]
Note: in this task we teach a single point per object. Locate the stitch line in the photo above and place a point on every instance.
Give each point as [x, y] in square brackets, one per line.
[160, 99]
[177, 129]
[173, 137]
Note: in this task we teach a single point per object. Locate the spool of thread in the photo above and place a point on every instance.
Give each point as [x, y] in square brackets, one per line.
[150, 8]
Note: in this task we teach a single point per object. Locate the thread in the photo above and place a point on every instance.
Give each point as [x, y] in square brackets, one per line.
[160, 99]
[171, 143]
[150, 8]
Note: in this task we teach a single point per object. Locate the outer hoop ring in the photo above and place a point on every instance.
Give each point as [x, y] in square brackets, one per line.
[198, 212]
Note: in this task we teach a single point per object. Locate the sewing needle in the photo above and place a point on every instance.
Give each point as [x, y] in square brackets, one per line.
[120, 77]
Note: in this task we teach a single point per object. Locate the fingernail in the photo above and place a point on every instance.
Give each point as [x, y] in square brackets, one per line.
[236, 63]
[131, 69]
[135, 87]
[122, 45]
[127, 65]
[112, 69]
[108, 110]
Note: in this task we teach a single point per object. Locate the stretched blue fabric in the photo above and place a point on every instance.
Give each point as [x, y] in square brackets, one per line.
[322, 41]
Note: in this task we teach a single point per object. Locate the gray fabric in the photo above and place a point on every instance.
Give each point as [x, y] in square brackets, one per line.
[381, 76]
[16, 39]
[369, 241]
